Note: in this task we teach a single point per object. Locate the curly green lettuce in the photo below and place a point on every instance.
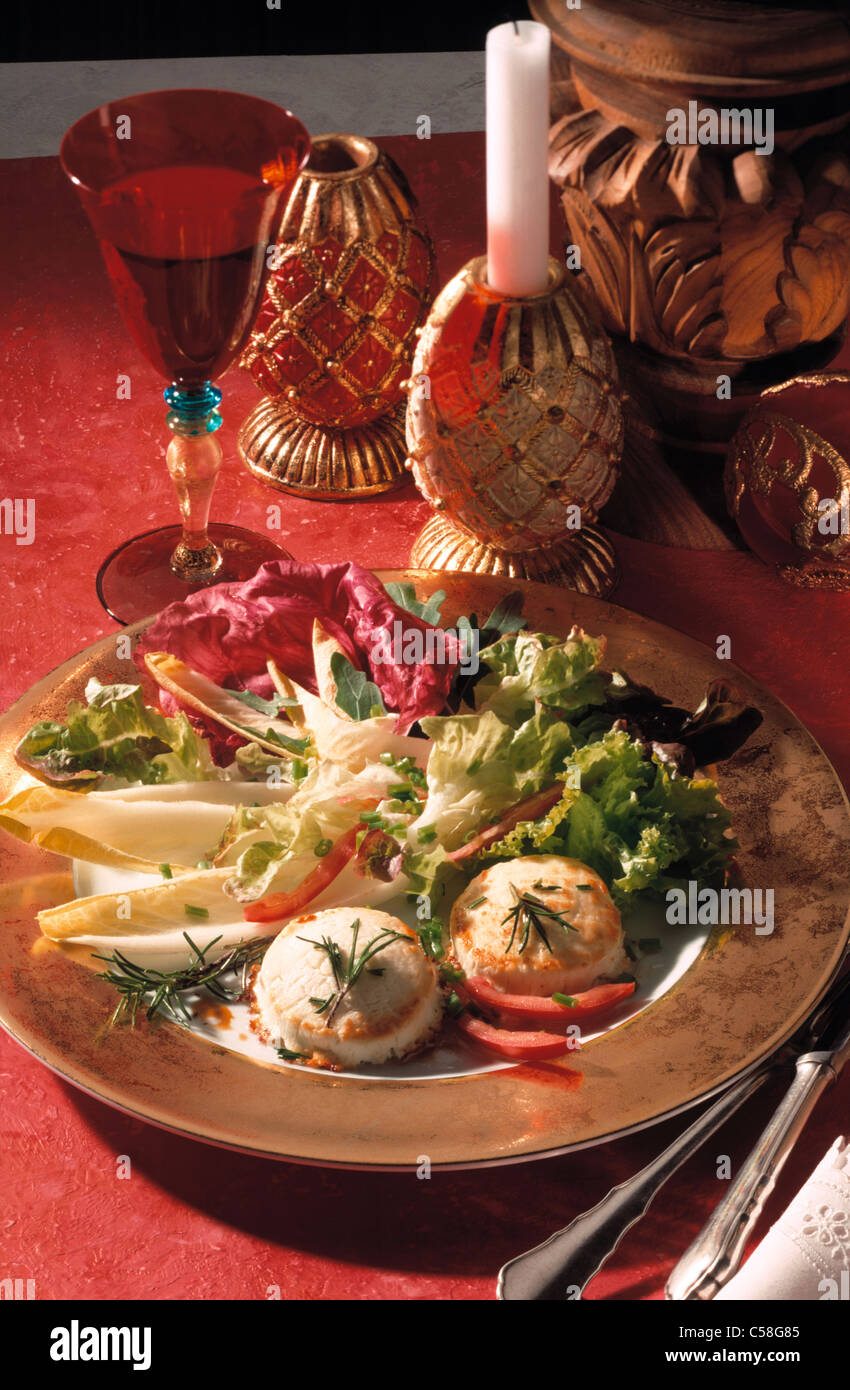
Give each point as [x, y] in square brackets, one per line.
[479, 765]
[530, 669]
[643, 828]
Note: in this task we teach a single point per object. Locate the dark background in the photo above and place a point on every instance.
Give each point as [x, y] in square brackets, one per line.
[76, 30]
[91, 29]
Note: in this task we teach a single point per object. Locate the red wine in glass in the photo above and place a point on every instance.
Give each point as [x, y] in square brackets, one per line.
[191, 295]
[185, 190]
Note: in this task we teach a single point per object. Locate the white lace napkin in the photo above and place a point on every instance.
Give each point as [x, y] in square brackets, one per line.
[806, 1255]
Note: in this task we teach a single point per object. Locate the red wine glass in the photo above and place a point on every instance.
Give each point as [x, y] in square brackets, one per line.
[185, 190]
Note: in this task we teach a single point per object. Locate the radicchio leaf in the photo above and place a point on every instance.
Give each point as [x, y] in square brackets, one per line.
[228, 632]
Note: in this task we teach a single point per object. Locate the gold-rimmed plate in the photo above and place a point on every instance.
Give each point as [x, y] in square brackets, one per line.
[743, 994]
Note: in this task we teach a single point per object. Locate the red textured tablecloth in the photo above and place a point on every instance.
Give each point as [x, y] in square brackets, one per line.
[194, 1222]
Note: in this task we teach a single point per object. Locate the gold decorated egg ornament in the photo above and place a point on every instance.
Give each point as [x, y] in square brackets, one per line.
[515, 430]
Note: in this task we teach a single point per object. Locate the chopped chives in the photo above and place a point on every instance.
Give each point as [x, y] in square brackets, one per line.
[477, 903]
[192, 911]
[165, 870]
[426, 834]
[322, 848]
[566, 1000]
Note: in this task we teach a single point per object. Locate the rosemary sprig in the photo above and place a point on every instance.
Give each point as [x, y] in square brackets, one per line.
[158, 990]
[529, 912]
[346, 973]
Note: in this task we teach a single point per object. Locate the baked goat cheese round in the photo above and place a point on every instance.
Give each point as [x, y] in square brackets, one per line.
[538, 925]
[393, 1007]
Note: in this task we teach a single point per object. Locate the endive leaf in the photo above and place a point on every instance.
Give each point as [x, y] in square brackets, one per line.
[223, 706]
[147, 924]
[161, 908]
[135, 828]
[124, 834]
[340, 740]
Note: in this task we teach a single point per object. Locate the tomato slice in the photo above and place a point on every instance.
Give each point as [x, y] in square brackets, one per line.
[278, 905]
[529, 809]
[530, 1008]
[520, 1047]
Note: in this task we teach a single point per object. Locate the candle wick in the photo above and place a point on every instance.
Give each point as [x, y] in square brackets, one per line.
[515, 23]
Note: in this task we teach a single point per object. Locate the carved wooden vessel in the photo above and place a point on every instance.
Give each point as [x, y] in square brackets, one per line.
[708, 260]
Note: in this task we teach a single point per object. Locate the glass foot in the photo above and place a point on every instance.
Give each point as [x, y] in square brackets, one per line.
[137, 580]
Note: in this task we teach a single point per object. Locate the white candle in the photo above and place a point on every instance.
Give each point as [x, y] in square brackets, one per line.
[517, 155]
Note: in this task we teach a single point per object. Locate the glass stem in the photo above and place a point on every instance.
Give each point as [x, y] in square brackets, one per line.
[194, 458]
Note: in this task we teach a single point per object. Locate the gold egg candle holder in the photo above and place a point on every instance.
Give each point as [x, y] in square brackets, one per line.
[514, 432]
[331, 347]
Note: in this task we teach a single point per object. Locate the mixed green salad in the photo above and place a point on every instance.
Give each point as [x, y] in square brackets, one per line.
[285, 767]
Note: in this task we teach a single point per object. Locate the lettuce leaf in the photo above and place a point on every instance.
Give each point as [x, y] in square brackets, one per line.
[643, 828]
[274, 847]
[531, 668]
[476, 636]
[479, 766]
[718, 727]
[354, 743]
[254, 764]
[114, 740]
